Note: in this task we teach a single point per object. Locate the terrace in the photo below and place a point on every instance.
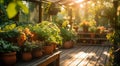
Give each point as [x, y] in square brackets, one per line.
[59, 32]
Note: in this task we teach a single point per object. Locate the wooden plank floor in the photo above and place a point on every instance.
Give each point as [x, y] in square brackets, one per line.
[85, 56]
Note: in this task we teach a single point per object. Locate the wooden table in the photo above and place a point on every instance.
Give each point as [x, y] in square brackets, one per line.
[47, 60]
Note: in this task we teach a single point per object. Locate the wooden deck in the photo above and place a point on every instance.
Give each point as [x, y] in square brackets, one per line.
[85, 56]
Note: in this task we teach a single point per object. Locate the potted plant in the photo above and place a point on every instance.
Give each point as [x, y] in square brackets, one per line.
[27, 51]
[93, 31]
[68, 38]
[37, 49]
[49, 33]
[101, 29]
[85, 25]
[8, 52]
[53, 9]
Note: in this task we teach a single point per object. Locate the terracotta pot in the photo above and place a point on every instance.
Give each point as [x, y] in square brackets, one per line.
[68, 44]
[37, 53]
[85, 29]
[54, 45]
[92, 35]
[48, 49]
[26, 56]
[9, 58]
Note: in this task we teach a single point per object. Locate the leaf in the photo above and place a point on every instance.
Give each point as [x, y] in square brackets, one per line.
[11, 10]
[1, 1]
[23, 7]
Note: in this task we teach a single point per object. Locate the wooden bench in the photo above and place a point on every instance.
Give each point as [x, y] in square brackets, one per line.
[47, 60]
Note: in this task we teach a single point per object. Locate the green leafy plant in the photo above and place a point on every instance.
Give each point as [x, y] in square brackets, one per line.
[12, 6]
[6, 47]
[84, 24]
[48, 31]
[67, 35]
[93, 29]
[27, 47]
[9, 34]
[37, 44]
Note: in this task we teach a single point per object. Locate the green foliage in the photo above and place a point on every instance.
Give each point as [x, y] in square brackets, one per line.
[12, 7]
[9, 27]
[67, 34]
[48, 31]
[37, 45]
[27, 47]
[6, 47]
[9, 34]
[84, 24]
[93, 29]
[1, 1]
[114, 37]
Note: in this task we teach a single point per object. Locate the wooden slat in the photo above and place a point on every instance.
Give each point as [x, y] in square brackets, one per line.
[81, 57]
[107, 56]
[88, 58]
[63, 55]
[102, 59]
[94, 59]
[72, 56]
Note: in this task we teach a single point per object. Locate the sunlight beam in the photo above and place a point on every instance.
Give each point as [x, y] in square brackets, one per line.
[78, 1]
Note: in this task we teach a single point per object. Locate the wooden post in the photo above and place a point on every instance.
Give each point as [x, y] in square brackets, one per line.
[70, 19]
[40, 11]
[115, 2]
[58, 60]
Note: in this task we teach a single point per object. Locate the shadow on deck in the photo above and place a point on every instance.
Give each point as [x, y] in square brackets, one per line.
[85, 56]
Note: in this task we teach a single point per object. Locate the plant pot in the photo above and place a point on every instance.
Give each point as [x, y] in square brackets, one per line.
[68, 44]
[54, 45]
[92, 35]
[26, 56]
[85, 29]
[9, 59]
[37, 53]
[48, 49]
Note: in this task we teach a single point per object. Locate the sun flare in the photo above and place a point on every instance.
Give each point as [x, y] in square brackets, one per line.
[78, 1]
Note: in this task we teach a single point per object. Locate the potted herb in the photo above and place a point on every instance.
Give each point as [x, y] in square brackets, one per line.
[49, 33]
[37, 49]
[27, 51]
[85, 25]
[68, 38]
[93, 31]
[8, 52]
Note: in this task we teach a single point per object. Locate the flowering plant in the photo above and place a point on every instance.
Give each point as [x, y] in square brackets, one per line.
[85, 24]
[101, 29]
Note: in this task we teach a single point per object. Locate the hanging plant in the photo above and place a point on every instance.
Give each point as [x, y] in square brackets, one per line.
[53, 9]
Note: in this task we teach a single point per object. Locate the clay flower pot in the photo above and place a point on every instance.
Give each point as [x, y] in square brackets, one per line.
[9, 58]
[37, 53]
[68, 44]
[26, 56]
[48, 49]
